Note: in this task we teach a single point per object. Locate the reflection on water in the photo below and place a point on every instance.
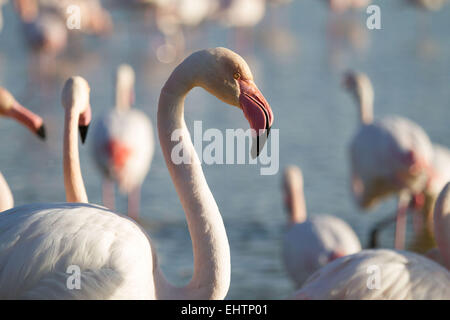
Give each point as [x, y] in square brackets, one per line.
[297, 54]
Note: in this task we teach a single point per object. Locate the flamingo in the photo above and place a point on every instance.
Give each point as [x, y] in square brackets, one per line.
[311, 243]
[114, 255]
[388, 274]
[123, 144]
[45, 22]
[9, 107]
[391, 155]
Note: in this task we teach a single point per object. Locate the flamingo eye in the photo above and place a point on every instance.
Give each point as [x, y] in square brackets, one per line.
[237, 76]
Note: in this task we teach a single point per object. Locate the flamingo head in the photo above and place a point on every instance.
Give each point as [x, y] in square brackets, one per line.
[226, 75]
[9, 107]
[75, 97]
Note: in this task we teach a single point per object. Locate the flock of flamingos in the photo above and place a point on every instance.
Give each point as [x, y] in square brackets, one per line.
[389, 156]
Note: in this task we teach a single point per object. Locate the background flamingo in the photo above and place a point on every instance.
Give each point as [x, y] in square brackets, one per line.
[2, 3]
[389, 156]
[123, 145]
[402, 275]
[309, 244]
[344, 5]
[115, 256]
[9, 107]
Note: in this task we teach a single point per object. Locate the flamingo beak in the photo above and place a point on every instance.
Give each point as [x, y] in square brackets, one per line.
[83, 123]
[28, 119]
[258, 113]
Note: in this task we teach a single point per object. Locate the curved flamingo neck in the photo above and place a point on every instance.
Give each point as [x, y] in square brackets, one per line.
[73, 180]
[212, 268]
[124, 88]
[6, 197]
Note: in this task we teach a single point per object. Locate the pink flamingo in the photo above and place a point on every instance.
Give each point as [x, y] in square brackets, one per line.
[388, 274]
[123, 144]
[116, 257]
[309, 244]
[9, 107]
[389, 156]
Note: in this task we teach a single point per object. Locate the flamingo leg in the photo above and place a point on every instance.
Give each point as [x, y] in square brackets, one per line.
[134, 199]
[108, 194]
[400, 227]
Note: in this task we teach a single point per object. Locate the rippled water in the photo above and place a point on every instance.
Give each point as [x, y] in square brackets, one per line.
[297, 61]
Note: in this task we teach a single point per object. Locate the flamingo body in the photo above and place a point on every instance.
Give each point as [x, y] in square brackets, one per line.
[310, 245]
[133, 130]
[382, 154]
[40, 242]
[403, 275]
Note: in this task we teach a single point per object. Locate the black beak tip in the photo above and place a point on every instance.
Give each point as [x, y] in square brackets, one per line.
[41, 132]
[83, 132]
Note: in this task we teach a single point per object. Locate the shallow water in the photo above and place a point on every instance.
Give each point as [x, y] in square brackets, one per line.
[297, 64]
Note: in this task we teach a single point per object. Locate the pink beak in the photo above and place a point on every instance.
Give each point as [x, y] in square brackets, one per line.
[257, 111]
[27, 118]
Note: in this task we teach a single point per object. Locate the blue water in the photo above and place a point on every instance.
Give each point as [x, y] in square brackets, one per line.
[297, 64]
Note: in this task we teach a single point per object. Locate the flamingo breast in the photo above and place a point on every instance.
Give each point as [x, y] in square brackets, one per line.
[379, 274]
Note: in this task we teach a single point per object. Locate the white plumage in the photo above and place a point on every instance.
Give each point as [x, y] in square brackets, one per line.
[402, 275]
[134, 131]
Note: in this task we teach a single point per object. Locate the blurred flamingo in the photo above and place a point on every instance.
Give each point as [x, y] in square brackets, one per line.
[392, 155]
[114, 255]
[45, 22]
[388, 274]
[2, 3]
[9, 107]
[123, 144]
[309, 244]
